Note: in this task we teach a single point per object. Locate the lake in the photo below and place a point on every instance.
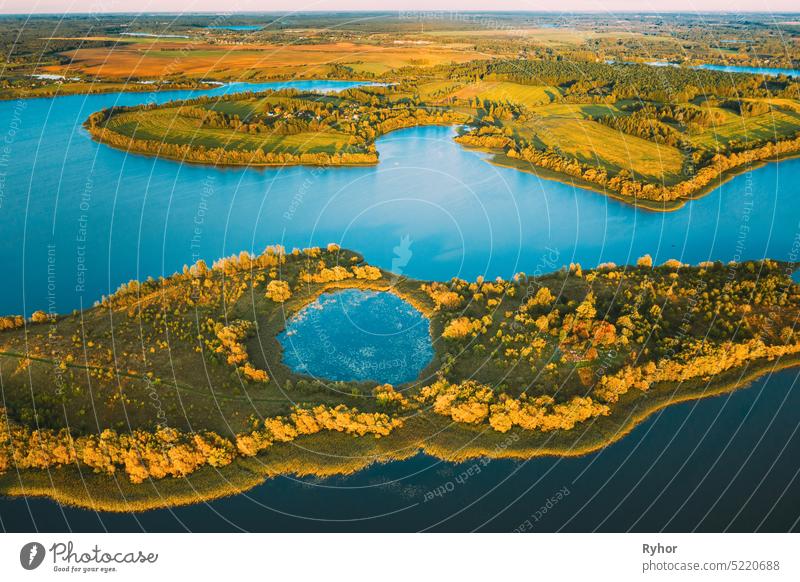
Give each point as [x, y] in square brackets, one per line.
[752, 70]
[378, 337]
[79, 218]
[773, 72]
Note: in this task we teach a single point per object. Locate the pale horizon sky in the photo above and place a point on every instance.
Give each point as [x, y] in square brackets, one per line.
[228, 6]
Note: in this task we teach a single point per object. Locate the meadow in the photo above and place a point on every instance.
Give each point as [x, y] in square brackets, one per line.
[169, 127]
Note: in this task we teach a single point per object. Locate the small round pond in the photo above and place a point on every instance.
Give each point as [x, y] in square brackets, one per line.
[357, 335]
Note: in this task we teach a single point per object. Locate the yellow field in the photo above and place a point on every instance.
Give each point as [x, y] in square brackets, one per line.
[528, 95]
[158, 59]
[596, 144]
[777, 124]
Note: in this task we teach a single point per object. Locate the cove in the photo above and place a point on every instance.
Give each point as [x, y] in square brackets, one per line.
[79, 218]
[356, 335]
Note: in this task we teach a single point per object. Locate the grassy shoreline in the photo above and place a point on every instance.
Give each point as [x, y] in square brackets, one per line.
[498, 159]
[322, 455]
[501, 160]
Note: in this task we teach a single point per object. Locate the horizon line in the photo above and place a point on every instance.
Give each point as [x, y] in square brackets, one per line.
[360, 11]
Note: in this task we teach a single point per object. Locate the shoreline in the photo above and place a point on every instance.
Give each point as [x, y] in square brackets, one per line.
[229, 165]
[222, 166]
[119, 496]
[499, 159]
[131, 87]
[124, 88]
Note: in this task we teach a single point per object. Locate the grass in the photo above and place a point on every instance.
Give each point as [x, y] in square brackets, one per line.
[168, 126]
[528, 95]
[774, 125]
[597, 144]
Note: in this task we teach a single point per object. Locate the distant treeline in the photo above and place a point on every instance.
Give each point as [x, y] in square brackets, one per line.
[599, 81]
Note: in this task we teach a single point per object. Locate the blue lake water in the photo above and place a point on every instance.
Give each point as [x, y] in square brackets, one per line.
[88, 217]
[773, 72]
[753, 70]
[358, 335]
[78, 218]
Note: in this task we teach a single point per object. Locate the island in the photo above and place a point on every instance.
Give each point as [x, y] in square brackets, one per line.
[175, 390]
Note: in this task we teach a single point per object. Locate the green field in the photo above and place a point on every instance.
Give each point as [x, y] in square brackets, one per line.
[168, 126]
[777, 124]
[528, 95]
[596, 144]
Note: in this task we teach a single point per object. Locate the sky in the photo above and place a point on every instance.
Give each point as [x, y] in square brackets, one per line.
[95, 6]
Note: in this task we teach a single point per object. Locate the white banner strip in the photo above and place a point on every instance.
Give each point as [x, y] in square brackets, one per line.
[399, 557]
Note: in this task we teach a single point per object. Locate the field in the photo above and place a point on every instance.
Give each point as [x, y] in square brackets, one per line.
[566, 128]
[156, 59]
[527, 95]
[269, 128]
[777, 124]
[167, 126]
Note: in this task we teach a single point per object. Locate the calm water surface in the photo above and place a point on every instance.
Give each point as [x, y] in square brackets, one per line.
[773, 72]
[78, 219]
[754, 70]
[356, 335]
